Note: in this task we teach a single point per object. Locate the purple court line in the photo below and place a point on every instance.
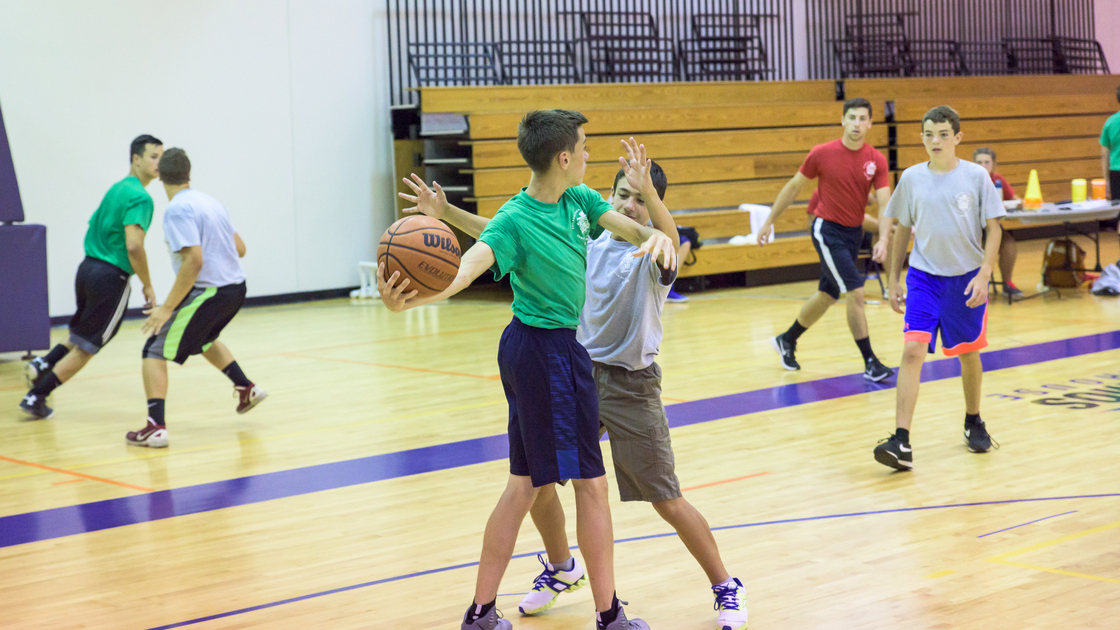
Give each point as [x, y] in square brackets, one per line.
[1025, 524]
[406, 576]
[53, 523]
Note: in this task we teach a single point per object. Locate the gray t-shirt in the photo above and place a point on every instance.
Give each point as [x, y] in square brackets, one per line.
[194, 219]
[947, 212]
[621, 319]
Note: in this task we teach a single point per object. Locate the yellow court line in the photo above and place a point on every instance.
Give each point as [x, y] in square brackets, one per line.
[1003, 557]
[196, 449]
[934, 576]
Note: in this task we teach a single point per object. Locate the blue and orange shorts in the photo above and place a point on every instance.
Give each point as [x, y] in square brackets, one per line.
[938, 303]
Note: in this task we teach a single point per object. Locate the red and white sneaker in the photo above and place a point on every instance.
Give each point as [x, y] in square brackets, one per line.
[152, 435]
[249, 397]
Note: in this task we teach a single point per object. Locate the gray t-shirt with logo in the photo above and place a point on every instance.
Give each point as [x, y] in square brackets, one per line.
[947, 212]
[621, 319]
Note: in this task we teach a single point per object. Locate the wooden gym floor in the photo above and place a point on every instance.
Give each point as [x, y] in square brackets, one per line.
[356, 495]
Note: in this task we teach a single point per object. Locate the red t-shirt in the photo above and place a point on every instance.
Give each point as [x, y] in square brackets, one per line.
[1008, 191]
[844, 179]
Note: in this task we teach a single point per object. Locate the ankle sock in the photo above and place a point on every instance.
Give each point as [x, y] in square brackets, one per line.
[55, 355]
[478, 611]
[608, 617]
[46, 385]
[794, 331]
[971, 418]
[233, 371]
[903, 435]
[567, 565]
[155, 410]
[865, 348]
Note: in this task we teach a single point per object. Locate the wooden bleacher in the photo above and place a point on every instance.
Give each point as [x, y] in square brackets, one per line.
[726, 143]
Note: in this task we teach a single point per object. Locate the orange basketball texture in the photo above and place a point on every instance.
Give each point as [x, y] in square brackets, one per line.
[422, 249]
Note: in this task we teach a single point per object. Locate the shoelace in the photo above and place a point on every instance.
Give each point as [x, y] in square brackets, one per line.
[547, 578]
[983, 427]
[726, 597]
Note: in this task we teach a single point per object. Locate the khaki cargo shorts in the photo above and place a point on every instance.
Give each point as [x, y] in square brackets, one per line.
[630, 411]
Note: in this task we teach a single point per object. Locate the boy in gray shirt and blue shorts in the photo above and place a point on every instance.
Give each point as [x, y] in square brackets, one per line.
[947, 203]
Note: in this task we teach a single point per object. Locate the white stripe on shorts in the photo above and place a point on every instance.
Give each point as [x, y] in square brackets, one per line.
[827, 255]
[118, 314]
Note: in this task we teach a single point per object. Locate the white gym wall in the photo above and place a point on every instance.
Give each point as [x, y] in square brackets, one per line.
[282, 106]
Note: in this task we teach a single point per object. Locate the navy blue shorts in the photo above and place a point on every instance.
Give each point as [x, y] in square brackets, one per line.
[553, 404]
[838, 248]
[938, 303]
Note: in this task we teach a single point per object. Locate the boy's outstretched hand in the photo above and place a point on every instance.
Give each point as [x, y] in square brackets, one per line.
[392, 294]
[662, 248]
[430, 202]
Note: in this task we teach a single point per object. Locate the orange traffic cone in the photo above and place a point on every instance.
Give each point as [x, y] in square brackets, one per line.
[1033, 199]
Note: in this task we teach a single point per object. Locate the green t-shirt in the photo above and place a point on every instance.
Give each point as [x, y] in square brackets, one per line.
[543, 246]
[1110, 139]
[126, 203]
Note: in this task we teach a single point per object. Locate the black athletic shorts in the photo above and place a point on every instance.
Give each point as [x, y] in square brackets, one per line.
[196, 323]
[838, 248]
[1114, 182]
[102, 292]
[553, 404]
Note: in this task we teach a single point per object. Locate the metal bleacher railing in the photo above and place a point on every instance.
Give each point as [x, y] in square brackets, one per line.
[612, 47]
[878, 45]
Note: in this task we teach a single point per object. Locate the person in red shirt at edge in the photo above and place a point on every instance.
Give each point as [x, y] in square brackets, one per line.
[1008, 250]
[847, 170]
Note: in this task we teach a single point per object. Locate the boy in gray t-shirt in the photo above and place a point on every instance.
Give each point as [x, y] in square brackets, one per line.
[947, 203]
[620, 326]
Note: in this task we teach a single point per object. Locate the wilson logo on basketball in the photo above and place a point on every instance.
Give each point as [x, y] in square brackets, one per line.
[442, 242]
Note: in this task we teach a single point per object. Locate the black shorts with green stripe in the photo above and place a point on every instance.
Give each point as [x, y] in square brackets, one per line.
[196, 323]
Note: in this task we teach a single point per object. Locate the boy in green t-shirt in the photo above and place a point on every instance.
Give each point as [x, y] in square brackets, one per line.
[539, 237]
[114, 247]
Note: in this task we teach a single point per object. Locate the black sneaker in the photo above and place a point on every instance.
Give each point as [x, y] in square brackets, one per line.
[892, 452]
[977, 438]
[34, 371]
[36, 406]
[875, 370]
[1014, 293]
[785, 351]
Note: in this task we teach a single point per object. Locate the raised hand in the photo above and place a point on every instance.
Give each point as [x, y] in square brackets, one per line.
[635, 164]
[430, 202]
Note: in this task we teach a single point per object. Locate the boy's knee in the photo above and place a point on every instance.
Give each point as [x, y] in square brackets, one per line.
[915, 350]
[595, 486]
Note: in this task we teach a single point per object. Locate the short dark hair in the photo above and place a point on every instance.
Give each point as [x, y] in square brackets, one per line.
[656, 175]
[984, 151]
[140, 142]
[857, 103]
[175, 167]
[544, 133]
[943, 113]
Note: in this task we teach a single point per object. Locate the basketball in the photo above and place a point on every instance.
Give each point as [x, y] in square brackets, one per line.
[423, 250]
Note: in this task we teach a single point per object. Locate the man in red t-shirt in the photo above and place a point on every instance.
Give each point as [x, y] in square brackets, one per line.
[1008, 250]
[847, 170]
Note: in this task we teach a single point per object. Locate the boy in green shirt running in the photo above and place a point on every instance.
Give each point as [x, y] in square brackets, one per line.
[539, 237]
[114, 247]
